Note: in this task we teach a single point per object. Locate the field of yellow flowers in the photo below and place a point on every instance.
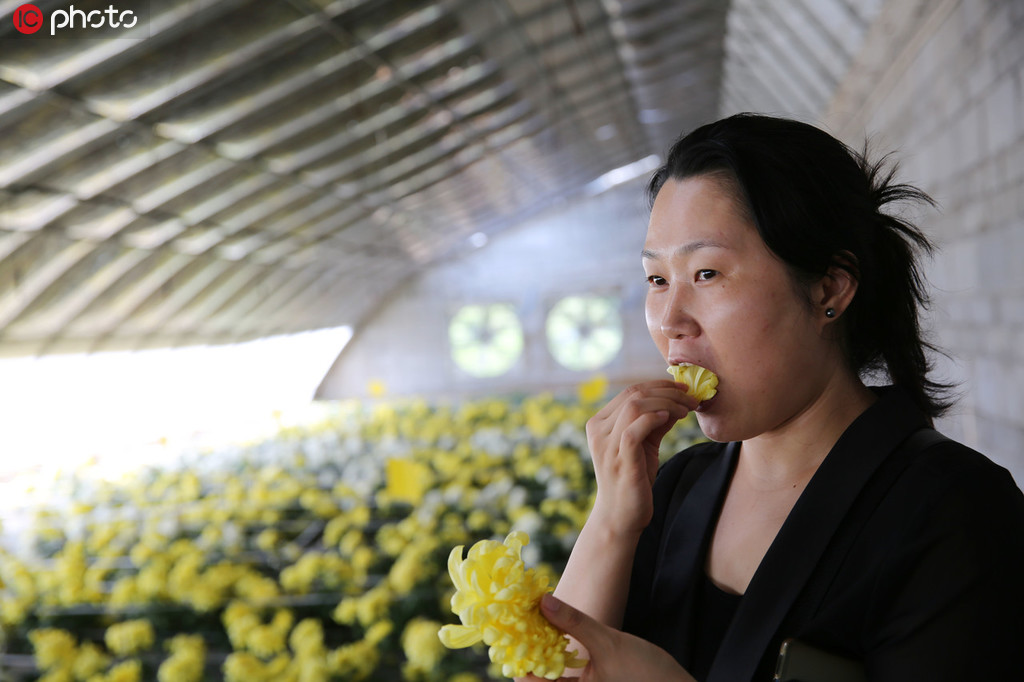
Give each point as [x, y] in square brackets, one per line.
[316, 555]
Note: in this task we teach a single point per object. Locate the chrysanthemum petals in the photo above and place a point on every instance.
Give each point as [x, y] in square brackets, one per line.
[701, 383]
[498, 601]
[455, 565]
[458, 636]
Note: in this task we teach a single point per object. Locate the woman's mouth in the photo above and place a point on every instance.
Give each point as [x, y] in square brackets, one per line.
[705, 405]
[701, 383]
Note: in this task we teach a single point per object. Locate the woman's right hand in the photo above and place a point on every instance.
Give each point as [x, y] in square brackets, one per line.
[616, 655]
[624, 437]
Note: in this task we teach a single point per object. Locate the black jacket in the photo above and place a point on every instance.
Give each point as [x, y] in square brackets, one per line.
[907, 557]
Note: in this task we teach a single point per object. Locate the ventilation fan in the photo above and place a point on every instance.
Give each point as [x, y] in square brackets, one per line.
[486, 340]
[584, 332]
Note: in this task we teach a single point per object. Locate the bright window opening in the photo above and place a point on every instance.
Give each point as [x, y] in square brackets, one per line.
[126, 409]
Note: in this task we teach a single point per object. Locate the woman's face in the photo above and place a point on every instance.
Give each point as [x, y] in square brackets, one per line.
[719, 298]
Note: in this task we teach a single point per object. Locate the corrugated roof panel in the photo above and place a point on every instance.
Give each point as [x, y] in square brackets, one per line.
[312, 137]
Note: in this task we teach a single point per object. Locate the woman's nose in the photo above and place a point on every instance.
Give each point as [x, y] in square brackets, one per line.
[677, 320]
[679, 327]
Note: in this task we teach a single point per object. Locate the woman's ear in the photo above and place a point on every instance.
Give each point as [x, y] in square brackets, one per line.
[835, 290]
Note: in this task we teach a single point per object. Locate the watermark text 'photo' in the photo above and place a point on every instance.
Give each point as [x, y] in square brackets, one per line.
[88, 20]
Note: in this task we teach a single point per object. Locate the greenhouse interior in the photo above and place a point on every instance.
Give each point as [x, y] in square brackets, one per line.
[297, 296]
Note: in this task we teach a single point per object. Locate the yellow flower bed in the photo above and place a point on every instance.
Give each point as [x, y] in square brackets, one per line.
[317, 555]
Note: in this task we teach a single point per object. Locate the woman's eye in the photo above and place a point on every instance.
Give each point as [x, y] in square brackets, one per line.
[655, 280]
[704, 275]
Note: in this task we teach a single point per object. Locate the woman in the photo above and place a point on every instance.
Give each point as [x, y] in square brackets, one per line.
[823, 509]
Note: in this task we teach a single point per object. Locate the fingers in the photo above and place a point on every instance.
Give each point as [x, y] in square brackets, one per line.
[614, 655]
[623, 438]
[642, 406]
[637, 430]
[571, 620]
[643, 419]
[661, 388]
[635, 401]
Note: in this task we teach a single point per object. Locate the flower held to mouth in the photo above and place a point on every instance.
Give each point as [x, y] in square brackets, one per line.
[701, 383]
[498, 601]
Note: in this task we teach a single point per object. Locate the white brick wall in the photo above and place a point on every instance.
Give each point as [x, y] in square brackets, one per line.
[955, 110]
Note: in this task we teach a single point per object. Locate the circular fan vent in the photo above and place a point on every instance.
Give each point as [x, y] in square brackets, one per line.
[584, 332]
[486, 340]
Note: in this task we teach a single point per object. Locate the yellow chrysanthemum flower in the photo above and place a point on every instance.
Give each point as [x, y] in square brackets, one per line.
[307, 639]
[268, 540]
[60, 675]
[54, 648]
[187, 645]
[376, 633]
[464, 677]
[593, 390]
[239, 625]
[701, 383]
[319, 502]
[310, 669]
[91, 660]
[300, 576]
[129, 637]
[14, 611]
[186, 662]
[265, 641]
[498, 601]
[347, 611]
[412, 566]
[422, 649]
[407, 480]
[256, 588]
[355, 661]
[351, 541]
[243, 667]
[125, 671]
[180, 669]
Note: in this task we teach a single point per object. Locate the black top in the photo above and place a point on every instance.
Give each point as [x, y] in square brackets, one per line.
[908, 558]
[714, 612]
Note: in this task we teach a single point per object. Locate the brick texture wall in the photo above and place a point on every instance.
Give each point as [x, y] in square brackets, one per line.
[943, 84]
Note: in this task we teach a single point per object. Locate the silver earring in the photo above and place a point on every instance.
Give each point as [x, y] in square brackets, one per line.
[830, 312]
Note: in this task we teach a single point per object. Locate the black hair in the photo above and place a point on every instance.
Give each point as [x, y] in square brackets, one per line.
[817, 204]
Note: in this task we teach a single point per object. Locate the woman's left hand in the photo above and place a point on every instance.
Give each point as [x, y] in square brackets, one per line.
[614, 655]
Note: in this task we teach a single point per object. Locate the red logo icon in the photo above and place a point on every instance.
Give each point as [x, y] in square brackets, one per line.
[28, 19]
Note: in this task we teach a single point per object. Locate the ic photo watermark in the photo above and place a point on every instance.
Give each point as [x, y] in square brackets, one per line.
[90, 19]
